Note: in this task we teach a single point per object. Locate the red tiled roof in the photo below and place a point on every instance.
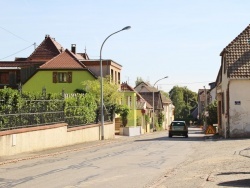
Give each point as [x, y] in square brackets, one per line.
[65, 60]
[48, 49]
[237, 55]
[81, 56]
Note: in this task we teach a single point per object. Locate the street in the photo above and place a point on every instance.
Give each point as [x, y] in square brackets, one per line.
[151, 160]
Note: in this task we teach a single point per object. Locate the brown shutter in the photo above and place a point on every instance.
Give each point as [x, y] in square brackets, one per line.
[69, 77]
[54, 77]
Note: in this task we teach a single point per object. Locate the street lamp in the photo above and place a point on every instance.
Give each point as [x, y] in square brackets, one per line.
[154, 102]
[101, 75]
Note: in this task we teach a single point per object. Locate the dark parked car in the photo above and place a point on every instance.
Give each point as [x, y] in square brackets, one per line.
[178, 128]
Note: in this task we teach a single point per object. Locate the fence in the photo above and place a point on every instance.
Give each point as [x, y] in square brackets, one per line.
[44, 112]
[32, 113]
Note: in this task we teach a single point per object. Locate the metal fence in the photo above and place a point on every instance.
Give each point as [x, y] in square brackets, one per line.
[32, 113]
[44, 112]
[76, 121]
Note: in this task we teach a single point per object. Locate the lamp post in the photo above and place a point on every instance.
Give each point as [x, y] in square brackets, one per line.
[101, 82]
[154, 102]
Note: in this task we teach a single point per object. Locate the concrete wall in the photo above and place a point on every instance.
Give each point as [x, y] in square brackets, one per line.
[239, 108]
[51, 136]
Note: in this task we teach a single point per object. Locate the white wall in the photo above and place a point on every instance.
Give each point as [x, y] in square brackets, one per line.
[239, 111]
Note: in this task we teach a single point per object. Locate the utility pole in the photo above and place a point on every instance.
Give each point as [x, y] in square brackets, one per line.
[205, 107]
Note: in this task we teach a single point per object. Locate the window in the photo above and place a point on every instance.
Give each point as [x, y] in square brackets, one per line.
[112, 75]
[62, 77]
[119, 78]
[129, 101]
[115, 77]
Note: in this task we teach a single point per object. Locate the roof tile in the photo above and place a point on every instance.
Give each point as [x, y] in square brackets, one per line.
[65, 60]
[237, 55]
[48, 49]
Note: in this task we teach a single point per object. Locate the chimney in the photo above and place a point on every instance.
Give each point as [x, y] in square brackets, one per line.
[73, 48]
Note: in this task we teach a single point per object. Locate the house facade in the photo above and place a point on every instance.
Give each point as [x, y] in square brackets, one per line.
[139, 108]
[161, 103]
[233, 87]
[62, 73]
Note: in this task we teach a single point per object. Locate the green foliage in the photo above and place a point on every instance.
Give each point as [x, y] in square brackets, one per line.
[184, 100]
[165, 94]
[110, 91]
[212, 111]
[139, 80]
[28, 109]
[160, 119]
[138, 121]
[80, 109]
[31, 109]
[123, 110]
[147, 118]
[79, 91]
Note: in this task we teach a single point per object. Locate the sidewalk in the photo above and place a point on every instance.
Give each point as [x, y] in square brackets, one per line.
[214, 163]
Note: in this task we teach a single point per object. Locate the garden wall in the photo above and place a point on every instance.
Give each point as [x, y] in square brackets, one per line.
[32, 139]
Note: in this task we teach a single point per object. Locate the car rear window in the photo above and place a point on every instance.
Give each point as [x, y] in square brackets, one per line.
[178, 124]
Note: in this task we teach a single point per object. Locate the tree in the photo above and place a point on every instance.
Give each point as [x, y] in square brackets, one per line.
[212, 113]
[184, 100]
[139, 80]
[165, 94]
[111, 93]
[176, 95]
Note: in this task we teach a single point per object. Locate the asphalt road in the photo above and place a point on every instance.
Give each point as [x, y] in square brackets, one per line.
[126, 162]
[151, 160]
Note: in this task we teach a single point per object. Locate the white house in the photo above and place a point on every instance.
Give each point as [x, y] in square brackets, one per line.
[233, 88]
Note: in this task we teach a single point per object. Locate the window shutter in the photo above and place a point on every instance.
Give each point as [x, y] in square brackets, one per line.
[69, 77]
[54, 77]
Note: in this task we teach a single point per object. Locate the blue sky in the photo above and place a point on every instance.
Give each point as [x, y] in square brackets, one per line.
[179, 39]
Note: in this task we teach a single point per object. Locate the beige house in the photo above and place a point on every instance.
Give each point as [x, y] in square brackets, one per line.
[233, 88]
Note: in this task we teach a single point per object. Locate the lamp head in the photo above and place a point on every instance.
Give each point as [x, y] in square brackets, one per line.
[126, 28]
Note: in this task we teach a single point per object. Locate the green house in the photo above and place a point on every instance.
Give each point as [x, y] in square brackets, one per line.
[139, 108]
[63, 72]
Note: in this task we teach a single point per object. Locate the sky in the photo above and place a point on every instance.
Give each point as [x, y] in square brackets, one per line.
[180, 39]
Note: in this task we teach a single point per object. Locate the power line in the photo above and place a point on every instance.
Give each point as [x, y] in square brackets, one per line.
[17, 52]
[14, 34]
[188, 83]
